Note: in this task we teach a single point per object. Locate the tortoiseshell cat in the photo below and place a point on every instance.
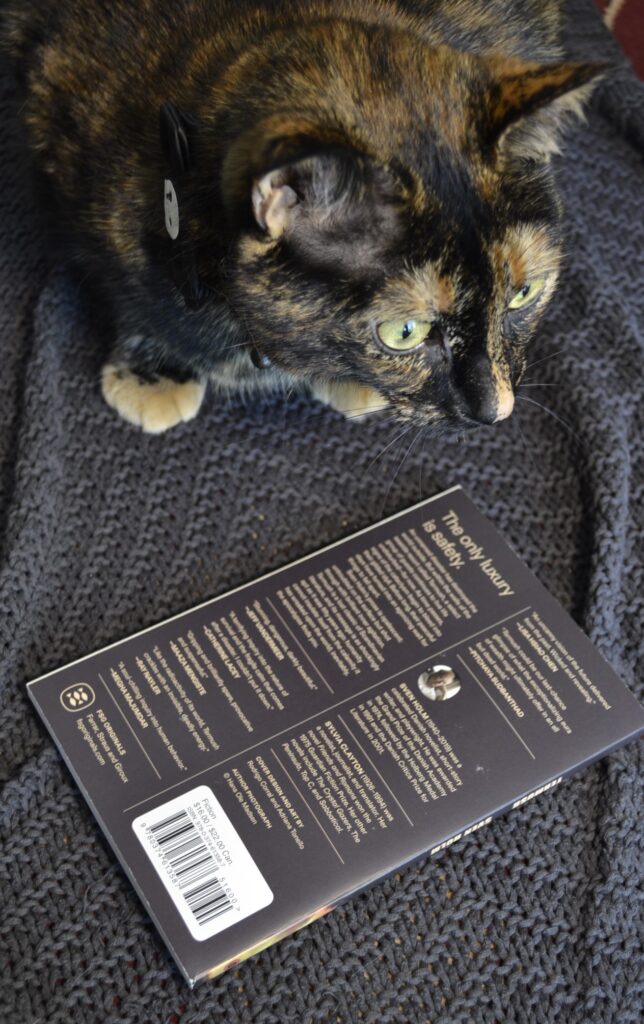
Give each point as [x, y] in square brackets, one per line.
[345, 195]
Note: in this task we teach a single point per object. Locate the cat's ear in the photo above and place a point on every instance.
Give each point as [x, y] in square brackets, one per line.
[274, 202]
[528, 104]
[332, 207]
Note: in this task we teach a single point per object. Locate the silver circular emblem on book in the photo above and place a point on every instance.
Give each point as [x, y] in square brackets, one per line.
[439, 682]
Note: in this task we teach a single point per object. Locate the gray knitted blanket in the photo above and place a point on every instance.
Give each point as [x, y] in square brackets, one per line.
[104, 531]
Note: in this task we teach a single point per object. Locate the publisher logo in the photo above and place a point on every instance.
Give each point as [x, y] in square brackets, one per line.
[77, 698]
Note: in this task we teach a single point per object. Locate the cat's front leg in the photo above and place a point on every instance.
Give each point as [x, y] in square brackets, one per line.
[355, 401]
[152, 399]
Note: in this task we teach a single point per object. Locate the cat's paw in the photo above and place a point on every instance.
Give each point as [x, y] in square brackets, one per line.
[154, 406]
[353, 400]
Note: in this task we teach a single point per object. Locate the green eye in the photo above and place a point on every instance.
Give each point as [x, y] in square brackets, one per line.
[527, 294]
[403, 335]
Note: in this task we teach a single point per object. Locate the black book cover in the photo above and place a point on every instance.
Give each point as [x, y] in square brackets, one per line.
[258, 759]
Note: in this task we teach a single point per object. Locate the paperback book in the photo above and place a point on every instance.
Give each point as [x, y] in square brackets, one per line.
[260, 758]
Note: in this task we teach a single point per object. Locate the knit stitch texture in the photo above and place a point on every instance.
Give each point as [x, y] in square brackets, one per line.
[103, 530]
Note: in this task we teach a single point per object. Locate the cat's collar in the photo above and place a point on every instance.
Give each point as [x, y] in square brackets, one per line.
[178, 132]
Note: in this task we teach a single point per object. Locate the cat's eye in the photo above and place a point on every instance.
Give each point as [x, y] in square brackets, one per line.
[402, 335]
[527, 294]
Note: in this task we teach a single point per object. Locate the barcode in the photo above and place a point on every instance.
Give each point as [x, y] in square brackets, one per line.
[193, 867]
[202, 862]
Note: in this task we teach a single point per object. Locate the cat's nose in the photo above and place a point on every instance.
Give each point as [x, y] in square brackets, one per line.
[493, 410]
[495, 404]
[504, 404]
[488, 396]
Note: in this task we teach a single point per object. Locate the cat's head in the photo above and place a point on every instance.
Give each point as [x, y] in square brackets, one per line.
[407, 236]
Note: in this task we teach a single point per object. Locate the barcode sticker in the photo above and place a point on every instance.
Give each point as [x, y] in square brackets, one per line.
[210, 875]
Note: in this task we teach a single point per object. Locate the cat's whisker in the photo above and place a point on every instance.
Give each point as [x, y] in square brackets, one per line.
[554, 415]
[356, 414]
[238, 346]
[420, 463]
[526, 446]
[530, 385]
[386, 448]
[545, 358]
[82, 280]
[400, 466]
